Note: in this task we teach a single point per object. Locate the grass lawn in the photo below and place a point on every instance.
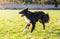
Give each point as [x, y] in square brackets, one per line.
[12, 26]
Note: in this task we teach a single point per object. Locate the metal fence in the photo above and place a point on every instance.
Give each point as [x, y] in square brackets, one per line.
[30, 6]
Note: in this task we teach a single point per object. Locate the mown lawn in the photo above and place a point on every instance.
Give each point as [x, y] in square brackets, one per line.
[12, 26]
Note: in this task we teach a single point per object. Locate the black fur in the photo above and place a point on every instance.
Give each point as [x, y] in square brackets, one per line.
[34, 17]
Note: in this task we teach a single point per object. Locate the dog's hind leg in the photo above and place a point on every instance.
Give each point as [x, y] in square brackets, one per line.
[33, 27]
[27, 26]
[43, 25]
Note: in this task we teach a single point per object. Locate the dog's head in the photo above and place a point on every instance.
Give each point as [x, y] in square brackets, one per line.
[23, 12]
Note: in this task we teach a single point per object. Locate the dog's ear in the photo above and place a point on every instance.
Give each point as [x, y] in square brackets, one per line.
[26, 9]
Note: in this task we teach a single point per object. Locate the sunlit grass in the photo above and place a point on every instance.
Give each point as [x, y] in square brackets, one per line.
[12, 26]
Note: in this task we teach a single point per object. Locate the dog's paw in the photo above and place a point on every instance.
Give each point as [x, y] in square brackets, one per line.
[24, 30]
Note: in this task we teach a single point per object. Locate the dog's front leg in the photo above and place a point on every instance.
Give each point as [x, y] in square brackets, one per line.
[28, 23]
[27, 26]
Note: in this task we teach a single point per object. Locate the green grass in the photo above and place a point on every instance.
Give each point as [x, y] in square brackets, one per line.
[12, 26]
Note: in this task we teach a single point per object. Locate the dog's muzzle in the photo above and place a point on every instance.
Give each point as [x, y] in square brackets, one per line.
[21, 14]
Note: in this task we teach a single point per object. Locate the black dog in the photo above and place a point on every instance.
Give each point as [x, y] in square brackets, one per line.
[33, 17]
